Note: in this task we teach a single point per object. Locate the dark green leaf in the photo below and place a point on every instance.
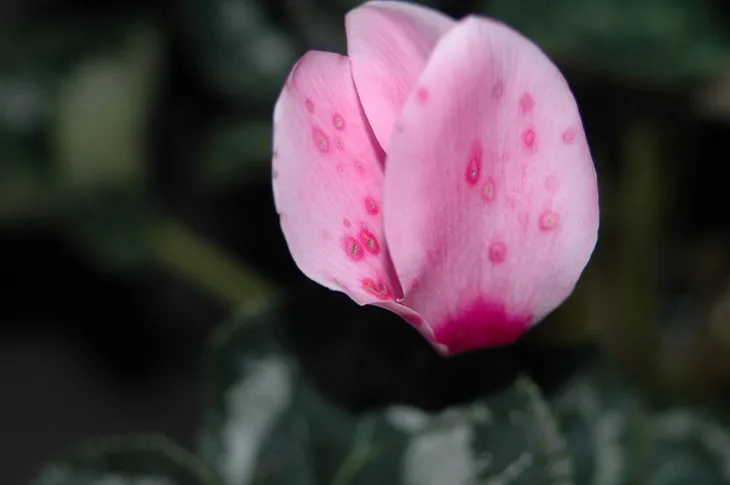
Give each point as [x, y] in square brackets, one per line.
[266, 423]
[440, 446]
[249, 434]
[348, 449]
[615, 439]
[144, 460]
[606, 428]
[522, 441]
[238, 48]
[661, 42]
[511, 438]
[688, 448]
[282, 458]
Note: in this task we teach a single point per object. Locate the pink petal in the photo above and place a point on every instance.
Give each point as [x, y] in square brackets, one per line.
[389, 44]
[327, 179]
[491, 203]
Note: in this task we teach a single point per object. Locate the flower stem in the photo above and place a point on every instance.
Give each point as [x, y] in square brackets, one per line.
[181, 250]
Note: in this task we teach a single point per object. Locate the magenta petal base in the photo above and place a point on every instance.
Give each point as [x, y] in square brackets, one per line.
[482, 324]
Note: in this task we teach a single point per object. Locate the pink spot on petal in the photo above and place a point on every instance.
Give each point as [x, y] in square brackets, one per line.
[369, 241]
[422, 95]
[498, 90]
[377, 288]
[352, 248]
[489, 191]
[497, 252]
[321, 140]
[528, 137]
[340, 169]
[568, 136]
[549, 220]
[338, 122]
[360, 167]
[371, 206]
[474, 166]
[526, 103]
[310, 106]
[346, 222]
[339, 144]
[483, 323]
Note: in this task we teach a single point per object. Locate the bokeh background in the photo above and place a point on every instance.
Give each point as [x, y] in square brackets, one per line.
[136, 212]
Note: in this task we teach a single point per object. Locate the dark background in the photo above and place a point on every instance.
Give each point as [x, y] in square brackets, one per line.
[136, 211]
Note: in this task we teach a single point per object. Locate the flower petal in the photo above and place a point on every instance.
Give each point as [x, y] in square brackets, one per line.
[327, 180]
[490, 198]
[389, 44]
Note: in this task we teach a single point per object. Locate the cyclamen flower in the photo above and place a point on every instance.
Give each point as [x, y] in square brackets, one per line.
[440, 171]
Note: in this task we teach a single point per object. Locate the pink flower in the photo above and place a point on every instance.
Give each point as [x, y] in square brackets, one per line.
[439, 171]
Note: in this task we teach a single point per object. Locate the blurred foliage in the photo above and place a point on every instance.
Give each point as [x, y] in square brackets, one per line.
[667, 42]
[127, 461]
[143, 140]
[99, 132]
[266, 424]
[230, 40]
[235, 151]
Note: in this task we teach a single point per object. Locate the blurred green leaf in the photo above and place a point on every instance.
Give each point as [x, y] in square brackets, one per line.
[615, 438]
[606, 428]
[44, 56]
[249, 434]
[100, 136]
[238, 48]
[660, 42]
[348, 449]
[689, 448]
[237, 152]
[511, 438]
[102, 112]
[142, 460]
[35, 63]
[264, 422]
[523, 443]
[258, 400]
[440, 446]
